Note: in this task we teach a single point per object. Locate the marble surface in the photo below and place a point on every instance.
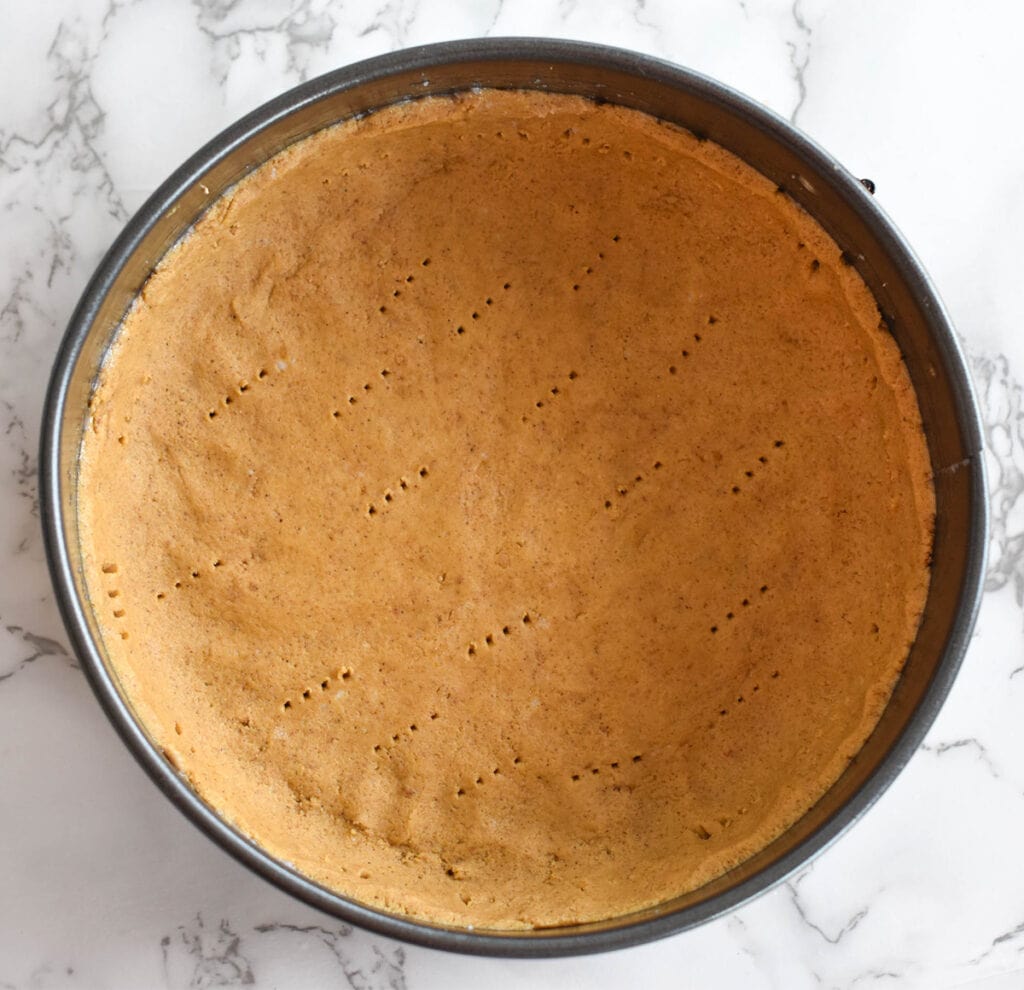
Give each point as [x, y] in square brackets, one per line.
[104, 884]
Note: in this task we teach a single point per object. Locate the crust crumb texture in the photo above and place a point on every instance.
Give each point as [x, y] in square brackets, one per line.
[509, 510]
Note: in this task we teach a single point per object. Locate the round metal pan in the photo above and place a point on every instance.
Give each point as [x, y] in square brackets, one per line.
[839, 202]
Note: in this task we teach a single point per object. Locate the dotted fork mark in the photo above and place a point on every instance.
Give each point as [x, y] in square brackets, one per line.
[734, 613]
[342, 675]
[689, 350]
[493, 773]
[388, 496]
[404, 735]
[114, 594]
[478, 314]
[407, 733]
[245, 386]
[194, 574]
[361, 393]
[587, 270]
[742, 697]
[554, 393]
[753, 471]
[402, 286]
[622, 490]
[492, 639]
[595, 769]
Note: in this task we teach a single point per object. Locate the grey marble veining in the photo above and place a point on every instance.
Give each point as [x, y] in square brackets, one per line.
[799, 58]
[199, 955]
[1000, 394]
[103, 884]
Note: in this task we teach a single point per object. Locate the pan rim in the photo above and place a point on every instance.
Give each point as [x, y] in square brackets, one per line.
[620, 932]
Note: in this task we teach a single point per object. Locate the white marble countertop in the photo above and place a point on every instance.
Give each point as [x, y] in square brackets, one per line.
[104, 884]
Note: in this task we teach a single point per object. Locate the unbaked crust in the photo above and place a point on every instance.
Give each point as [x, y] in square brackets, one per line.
[509, 510]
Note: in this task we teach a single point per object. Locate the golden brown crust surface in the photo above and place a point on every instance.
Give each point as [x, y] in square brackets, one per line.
[508, 510]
